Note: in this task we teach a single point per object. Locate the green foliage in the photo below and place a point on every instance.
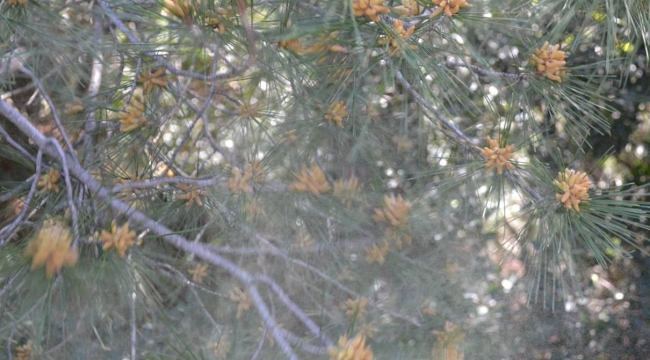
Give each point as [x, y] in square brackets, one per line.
[244, 172]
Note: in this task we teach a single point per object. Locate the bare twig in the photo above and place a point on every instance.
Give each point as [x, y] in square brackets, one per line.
[54, 112]
[68, 186]
[486, 72]
[6, 232]
[16, 145]
[9, 282]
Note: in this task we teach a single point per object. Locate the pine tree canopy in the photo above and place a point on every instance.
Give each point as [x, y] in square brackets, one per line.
[325, 179]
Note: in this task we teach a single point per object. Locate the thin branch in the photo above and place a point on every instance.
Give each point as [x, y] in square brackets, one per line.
[295, 309]
[11, 280]
[133, 297]
[225, 153]
[175, 274]
[59, 345]
[54, 112]
[451, 126]
[270, 321]
[91, 124]
[486, 72]
[217, 92]
[157, 154]
[202, 306]
[120, 69]
[179, 91]
[15, 191]
[9, 343]
[180, 72]
[134, 81]
[198, 117]
[260, 344]
[38, 302]
[16, 145]
[15, 61]
[152, 183]
[356, 244]
[29, 86]
[206, 132]
[534, 193]
[68, 187]
[8, 230]
[448, 123]
[297, 341]
[290, 305]
[96, 71]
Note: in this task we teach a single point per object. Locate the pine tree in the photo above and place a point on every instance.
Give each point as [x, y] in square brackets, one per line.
[343, 179]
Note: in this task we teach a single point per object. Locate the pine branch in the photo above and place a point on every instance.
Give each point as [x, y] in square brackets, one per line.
[52, 149]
